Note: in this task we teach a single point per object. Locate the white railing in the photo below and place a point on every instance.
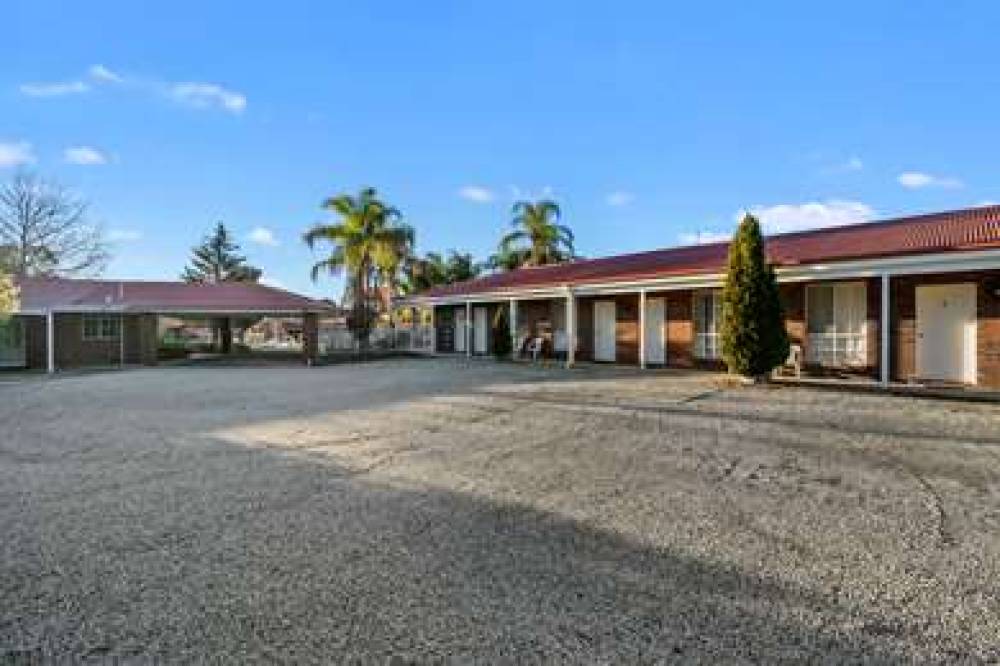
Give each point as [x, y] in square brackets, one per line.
[403, 339]
[837, 350]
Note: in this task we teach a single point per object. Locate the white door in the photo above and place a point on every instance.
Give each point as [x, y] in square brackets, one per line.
[946, 332]
[604, 330]
[479, 322]
[460, 332]
[655, 337]
[12, 348]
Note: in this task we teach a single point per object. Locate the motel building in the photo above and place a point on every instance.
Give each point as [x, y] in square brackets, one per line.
[912, 300]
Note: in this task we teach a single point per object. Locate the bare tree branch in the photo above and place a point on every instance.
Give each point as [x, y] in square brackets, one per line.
[44, 230]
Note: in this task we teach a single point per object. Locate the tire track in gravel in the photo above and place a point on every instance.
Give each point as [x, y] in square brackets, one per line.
[942, 521]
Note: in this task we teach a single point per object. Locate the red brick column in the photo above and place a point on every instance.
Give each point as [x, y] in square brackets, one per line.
[310, 337]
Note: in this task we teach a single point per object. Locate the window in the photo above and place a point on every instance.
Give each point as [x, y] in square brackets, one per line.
[837, 314]
[101, 327]
[707, 317]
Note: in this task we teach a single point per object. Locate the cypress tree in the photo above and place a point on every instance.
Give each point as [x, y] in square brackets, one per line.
[754, 340]
[502, 343]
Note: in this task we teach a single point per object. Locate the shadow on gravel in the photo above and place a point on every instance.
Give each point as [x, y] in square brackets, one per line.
[256, 554]
[300, 559]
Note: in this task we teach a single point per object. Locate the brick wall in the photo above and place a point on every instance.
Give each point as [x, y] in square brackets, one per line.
[904, 324]
[680, 329]
[680, 325]
[72, 351]
[34, 340]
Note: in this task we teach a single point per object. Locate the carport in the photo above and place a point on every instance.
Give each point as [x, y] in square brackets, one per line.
[64, 323]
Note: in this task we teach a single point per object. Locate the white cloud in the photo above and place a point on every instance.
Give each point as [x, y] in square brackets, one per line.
[14, 154]
[519, 194]
[915, 180]
[476, 193]
[272, 282]
[197, 94]
[702, 237]
[57, 89]
[263, 236]
[619, 198]
[124, 235]
[207, 95]
[854, 164]
[786, 218]
[102, 74]
[84, 155]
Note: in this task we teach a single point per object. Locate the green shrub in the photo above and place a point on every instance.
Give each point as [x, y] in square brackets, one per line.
[502, 344]
[754, 340]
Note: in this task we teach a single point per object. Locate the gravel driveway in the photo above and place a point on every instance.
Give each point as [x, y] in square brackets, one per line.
[438, 508]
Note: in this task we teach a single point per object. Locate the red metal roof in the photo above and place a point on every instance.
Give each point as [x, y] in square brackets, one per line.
[61, 294]
[973, 228]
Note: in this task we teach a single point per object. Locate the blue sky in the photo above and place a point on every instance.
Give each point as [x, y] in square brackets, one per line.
[651, 123]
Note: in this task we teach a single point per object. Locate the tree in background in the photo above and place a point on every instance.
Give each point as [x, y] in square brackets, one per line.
[754, 340]
[507, 259]
[431, 270]
[217, 259]
[368, 242]
[44, 230]
[537, 239]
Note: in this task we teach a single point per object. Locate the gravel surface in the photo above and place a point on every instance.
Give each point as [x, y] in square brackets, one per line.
[427, 509]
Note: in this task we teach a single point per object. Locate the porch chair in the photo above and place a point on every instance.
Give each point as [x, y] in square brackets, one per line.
[535, 348]
[792, 364]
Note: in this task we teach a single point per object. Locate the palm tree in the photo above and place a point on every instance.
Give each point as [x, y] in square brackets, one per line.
[507, 258]
[538, 238]
[369, 243]
[431, 270]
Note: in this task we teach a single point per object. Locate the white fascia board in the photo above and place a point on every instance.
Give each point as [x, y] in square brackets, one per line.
[211, 313]
[80, 309]
[946, 262]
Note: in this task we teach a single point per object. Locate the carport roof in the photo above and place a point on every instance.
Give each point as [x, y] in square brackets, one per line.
[950, 231]
[73, 295]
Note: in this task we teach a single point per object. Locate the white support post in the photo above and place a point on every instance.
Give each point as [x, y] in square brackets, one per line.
[884, 324]
[468, 328]
[50, 342]
[570, 329]
[642, 329]
[434, 346]
[121, 340]
[513, 328]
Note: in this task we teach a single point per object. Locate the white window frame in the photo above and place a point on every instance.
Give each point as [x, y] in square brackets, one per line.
[707, 343]
[840, 347]
[109, 327]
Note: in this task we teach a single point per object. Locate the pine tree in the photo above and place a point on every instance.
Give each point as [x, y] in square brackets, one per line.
[754, 340]
[217, 259]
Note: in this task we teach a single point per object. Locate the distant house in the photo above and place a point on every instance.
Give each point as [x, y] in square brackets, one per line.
[908, 299]
[65, 323]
